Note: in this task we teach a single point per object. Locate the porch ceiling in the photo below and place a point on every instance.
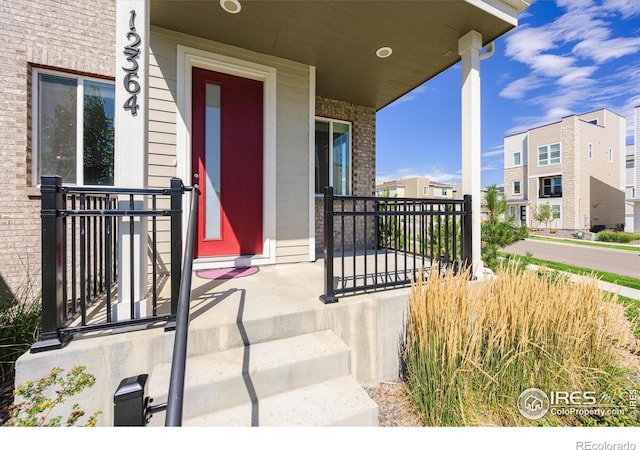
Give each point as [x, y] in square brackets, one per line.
[340, 38]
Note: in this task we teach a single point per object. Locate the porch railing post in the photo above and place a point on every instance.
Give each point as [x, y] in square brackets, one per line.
[329, 294]
[466, 231]
[176, 247]
[52, 269]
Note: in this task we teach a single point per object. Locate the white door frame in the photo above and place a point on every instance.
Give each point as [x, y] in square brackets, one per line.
[188, 58]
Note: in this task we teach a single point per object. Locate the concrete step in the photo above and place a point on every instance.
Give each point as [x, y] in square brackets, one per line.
[248, 374]
[337, 402]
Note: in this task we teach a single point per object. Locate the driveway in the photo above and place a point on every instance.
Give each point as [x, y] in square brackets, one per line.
[621, 262]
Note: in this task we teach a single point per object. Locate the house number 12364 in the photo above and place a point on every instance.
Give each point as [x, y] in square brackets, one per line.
[132, 52]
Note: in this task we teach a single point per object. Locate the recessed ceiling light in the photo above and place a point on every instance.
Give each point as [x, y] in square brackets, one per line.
[231, 6]
[384, 52]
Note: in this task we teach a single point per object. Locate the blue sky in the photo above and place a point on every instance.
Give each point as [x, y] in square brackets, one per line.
[565, 57]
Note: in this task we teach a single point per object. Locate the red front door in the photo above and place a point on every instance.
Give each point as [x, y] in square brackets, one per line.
[227, 163]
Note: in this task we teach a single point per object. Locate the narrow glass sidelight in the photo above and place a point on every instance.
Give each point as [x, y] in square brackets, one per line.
[212, 161]
[341, 158]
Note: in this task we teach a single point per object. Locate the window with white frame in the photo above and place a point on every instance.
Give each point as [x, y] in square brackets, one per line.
[590, 151]
[551, 187]
[555, 211]
[425, 190]
[512, 211]
[516, 159]
[333, 156]
[73, 127]
[516, 187]
[445, 192]
[549, 154]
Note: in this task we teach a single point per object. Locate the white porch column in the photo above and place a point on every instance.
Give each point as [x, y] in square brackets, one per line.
[469, 47]
[131, 125]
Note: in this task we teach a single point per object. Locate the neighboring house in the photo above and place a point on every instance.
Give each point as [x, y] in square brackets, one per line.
[633, 173]
[576, 165]
[416, 187]
[395, 188]
[630, 188]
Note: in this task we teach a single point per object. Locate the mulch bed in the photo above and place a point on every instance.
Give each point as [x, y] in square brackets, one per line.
[394, 406]
[6, 399]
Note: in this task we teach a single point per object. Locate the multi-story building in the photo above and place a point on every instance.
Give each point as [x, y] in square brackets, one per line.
[633, 177]
[630, 188]
[576, 165]
[416, 187]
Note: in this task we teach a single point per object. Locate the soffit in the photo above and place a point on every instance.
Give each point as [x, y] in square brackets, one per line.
[340, 38]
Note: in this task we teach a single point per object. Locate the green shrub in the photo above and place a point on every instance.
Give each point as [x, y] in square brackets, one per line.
[19, 329]
[35, 405]
[622, 237]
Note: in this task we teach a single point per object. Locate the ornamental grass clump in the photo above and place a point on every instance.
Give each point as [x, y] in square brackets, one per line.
[472, 348]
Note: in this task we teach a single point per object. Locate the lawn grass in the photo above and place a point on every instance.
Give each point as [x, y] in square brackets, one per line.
[632, 312]
[629, 248]
[620, 280]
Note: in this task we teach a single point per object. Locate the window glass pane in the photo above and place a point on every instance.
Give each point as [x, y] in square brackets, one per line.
[516, 187]
[57, 122]
[212, 161]
[98, 132]
[555, 154]
[322, 156]
[516, 159]
[542, 156]
[341, 158]
[546, 186]
[556, 211]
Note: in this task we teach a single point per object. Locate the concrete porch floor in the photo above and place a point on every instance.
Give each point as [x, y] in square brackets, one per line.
[276, 302]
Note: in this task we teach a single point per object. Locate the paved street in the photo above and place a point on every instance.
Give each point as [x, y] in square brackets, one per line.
[620, 262]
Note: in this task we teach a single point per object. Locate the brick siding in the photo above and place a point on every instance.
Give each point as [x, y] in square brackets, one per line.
[363, 120]
[69, 35]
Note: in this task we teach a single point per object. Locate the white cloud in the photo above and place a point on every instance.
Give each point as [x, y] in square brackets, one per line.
[412, 95]
[573, 62]
[602, 51]
[435, 173]
[517, 89]
[494, 151]
[578, 75]
[552, 65]
[628, 8]
[526, 41]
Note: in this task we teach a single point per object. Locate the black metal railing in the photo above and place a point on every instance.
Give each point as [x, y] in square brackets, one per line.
[373, 243]
[85, 230]
[132, 406]
[179, 359]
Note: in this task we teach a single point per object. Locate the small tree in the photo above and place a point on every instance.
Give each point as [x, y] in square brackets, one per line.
[391, 228]
[496, 231]
[545, 214]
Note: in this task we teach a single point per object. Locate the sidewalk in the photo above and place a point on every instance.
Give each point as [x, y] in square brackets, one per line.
[603, 285]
